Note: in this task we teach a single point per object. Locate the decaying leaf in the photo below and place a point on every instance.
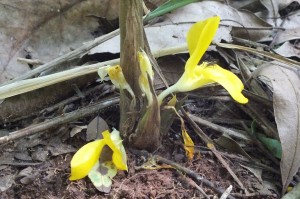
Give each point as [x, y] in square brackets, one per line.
[46, 29]
[76, 129]
[257, 172]
[171, 31]
[94, 128]
[227, 142]
[286, 100]
[6, 182]
[189, 146]
[288, 50]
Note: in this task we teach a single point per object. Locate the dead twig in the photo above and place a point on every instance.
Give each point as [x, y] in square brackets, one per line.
[211, 146]
[30, 61]
[262, 121]
[75, 98]
[244, 160]
[68, 117]
[193, 184]
[191, 174]
[219, 128]
[251, 195]
[226, 193]
[257, 98]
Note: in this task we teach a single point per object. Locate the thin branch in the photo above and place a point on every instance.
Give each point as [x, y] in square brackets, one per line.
[211, 146]
[66, 118]
[190, 173]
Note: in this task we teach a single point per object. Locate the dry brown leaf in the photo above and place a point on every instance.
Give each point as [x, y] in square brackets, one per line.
[46, 29]
[288, 50]
[174, 26]
[286, 100]
[95, 128]
[189, 146]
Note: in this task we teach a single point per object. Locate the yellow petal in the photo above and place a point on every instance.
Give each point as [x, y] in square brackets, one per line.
[102, 72]
[188, 144]
[85, 158]
[117, 78]
[199, 38]
[227, 79]
[114, 141]
[145, 64]
[145, 87]
[146, 72]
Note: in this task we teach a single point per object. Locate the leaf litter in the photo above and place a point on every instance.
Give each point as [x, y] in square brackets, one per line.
[166, 183]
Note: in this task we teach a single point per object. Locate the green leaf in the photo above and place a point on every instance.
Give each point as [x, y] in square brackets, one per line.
[273, 145]
[168, 7]
[101, 175]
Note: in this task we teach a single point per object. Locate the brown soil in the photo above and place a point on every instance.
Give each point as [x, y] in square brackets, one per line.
[53, 150]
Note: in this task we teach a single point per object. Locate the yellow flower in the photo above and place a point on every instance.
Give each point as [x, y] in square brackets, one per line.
[87, 156]
[199, 38]
[146, 73]
[116, 76]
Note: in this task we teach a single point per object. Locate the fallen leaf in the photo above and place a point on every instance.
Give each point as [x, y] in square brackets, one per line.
[288, 34]
[95, 128]
[288, 50]
[45, 30]
[76, 129]
[257, 172]
[25, 172]
[286, 101]
[230, 144]
[273, 145]
[6, 182]
[189, 146]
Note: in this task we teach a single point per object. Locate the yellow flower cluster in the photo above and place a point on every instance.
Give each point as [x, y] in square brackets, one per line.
[195, 76]
[87, 156]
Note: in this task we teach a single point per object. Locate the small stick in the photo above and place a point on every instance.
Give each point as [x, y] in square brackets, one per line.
[243, 160]
[251, 195]
[194, 184]
[72, 99]
[226, 193]
[68, 117]
[210, 144]
[220, 129]
[30, 61]
[190, 173]
[262, 121]
[259, 99]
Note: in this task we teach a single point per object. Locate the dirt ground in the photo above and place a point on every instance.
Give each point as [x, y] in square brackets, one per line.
[38, 166]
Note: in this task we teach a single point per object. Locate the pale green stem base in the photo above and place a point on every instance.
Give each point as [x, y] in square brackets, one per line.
[165, 93]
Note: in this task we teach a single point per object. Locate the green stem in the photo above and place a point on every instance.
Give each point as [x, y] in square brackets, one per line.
[165, 93]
